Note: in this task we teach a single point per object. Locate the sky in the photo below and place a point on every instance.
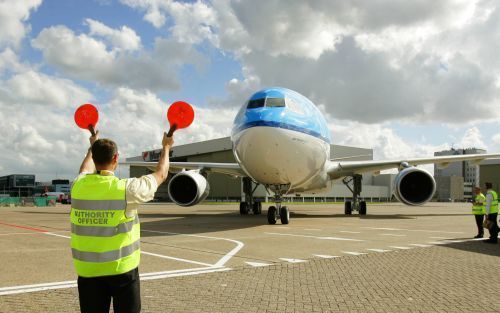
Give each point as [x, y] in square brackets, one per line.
[405, 78]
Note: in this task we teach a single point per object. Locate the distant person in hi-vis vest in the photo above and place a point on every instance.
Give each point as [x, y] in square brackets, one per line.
[105, 229]
[491, 213]
[478, 211]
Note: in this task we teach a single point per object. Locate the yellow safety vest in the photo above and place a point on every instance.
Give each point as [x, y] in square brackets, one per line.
[104, 241]
[494, 201]
[478, 205]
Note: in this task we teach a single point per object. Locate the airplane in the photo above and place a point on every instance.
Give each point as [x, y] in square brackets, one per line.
[281, 141]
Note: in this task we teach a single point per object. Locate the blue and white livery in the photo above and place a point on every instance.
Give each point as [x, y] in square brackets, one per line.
[282, 141]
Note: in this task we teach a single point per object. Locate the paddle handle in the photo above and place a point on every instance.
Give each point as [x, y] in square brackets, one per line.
[171, 130]
[92, 130]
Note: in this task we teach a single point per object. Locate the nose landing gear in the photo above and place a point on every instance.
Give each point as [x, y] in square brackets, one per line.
[279, 212]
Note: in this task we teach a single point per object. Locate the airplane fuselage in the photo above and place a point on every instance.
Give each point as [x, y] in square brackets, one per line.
[280, 138]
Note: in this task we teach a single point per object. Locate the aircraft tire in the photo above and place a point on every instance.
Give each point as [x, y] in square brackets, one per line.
[362, 208]
[348, 208]
[271, 215]
[243, 208]
[284, 215]
[257, 208]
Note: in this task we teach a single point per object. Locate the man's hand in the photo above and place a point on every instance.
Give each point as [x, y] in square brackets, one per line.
[167, 142]
[94, 138]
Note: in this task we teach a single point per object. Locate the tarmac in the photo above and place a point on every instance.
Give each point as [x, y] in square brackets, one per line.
[208, 258]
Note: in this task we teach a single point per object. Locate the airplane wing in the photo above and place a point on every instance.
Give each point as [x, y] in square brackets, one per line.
[348, 168]
[232, 169]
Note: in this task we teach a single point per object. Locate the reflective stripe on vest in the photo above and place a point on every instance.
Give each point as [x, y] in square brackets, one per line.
[81, 204]
[99, 231]
[494, 202]
[105, 256]
[104, 241]
[479, 209]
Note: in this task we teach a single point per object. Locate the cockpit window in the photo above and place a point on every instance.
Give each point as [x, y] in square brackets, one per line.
[275, 102]
[258, 103]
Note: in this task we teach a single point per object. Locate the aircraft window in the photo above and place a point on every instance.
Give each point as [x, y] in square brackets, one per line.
[258, 103]
[275, 102]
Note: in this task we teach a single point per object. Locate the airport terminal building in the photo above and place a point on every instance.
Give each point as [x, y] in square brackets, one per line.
[226, 188]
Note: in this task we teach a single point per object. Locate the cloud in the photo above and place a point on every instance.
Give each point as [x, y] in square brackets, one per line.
[190, 22]
[36, 88]
[125, 38]
[154, 9]
[496, 141]
[38, 132]
[84, 57]
[12, 16]
[414, 62]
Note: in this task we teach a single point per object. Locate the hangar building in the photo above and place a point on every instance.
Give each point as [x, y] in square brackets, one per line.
[225, 188]
[490, 172]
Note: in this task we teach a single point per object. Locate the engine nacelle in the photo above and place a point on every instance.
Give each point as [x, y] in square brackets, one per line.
[414, 186]
[188, 188]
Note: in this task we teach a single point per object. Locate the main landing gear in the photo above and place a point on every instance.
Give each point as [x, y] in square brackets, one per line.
[250, 205]
[355, 205]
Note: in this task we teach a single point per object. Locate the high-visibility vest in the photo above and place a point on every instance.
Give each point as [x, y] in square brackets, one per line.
[478, 205]
[104, 241]
[494, 201]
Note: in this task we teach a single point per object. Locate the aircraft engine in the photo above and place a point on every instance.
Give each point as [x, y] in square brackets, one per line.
[188, 188]
[414, 186]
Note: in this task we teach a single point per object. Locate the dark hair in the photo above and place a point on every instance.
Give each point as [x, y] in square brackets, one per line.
[103, 151]
[489, 185]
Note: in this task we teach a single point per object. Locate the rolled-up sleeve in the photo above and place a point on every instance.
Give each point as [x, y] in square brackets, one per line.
[141, 189]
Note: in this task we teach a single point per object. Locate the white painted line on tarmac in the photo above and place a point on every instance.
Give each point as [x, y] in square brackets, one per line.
[32, 233]
[257, 264]
[323, 256]
[419, 245]
[416, 230]
[436, 231]
[168, 274]
[455, 241]
[293, 260]
[148, 253]
[437, 242]
[37, 287]
[313, 229]
[73, 284]
[349, 232]
[379, 250]
[175, 259]
[224, 259]
[440, 237]
[394, 235]
[57, 235]
[400, 248]
[353, 252]
[315, 237]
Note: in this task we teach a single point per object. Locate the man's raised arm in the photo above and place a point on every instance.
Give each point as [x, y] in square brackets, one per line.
[161, 172]
[88, 165]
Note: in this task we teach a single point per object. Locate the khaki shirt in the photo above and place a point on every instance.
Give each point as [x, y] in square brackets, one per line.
[138, 190]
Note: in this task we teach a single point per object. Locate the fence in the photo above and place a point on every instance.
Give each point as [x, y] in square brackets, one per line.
[27, 201]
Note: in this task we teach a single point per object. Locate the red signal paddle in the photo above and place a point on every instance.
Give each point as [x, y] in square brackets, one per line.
[180, 115]
[86, 117]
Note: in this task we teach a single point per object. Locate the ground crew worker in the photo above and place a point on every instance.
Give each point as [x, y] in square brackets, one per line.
[105, 229]
[491, 213]
[478, 211]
